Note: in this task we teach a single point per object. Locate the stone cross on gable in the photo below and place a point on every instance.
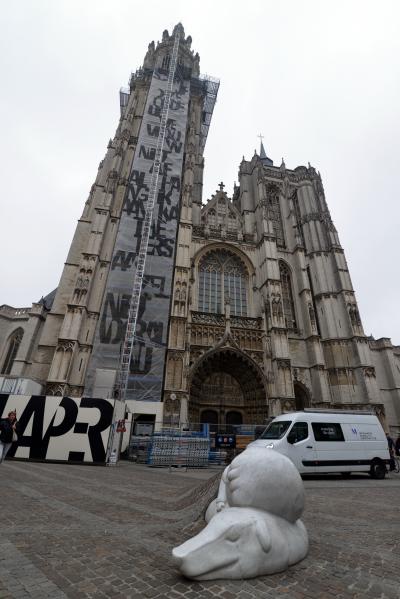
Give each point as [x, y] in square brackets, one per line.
[221, 186]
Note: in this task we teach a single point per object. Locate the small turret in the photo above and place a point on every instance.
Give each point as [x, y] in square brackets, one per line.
[159, 56]
[179, 30]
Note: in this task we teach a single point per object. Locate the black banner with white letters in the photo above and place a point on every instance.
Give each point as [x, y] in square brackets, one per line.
[147, 364]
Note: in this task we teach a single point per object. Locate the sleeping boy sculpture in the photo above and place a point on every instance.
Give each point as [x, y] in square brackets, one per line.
[253, 526]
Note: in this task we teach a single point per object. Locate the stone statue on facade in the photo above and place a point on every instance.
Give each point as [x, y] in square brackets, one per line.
[196, 65]
[311, 313]
[148, 62]
[277, 305]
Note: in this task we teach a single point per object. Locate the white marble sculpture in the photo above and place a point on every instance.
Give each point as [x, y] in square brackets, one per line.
[253, 525]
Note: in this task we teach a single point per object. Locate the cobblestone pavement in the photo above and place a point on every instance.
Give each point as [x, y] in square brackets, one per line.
[82, 531]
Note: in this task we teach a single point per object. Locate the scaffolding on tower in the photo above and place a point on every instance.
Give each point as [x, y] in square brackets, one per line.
[207, 88]
[126, 354]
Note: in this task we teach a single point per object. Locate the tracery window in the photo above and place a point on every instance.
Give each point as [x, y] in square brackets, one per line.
[274, 210]
[222, 275]
[287, 296]
[13, 346]
[165, 62]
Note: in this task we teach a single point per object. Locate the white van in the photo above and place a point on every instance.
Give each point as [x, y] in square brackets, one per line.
[322, 441]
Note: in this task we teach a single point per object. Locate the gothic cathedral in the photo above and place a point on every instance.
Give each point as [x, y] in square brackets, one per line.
[247, 309]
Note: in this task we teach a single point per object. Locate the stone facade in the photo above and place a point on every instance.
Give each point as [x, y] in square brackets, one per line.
[263, 315]
[301, 342]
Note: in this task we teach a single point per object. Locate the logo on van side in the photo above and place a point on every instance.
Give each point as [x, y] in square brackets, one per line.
[354, 430]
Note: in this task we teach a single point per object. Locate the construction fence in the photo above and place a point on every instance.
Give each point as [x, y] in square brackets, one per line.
[196, 447]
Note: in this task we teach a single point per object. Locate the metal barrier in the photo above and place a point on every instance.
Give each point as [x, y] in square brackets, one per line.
[190, 447]
[178, 450]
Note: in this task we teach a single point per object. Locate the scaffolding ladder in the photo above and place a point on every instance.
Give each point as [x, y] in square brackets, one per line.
[126, 354]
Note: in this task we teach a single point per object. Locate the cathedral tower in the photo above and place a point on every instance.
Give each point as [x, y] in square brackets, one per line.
[80, 346]
[272, 323]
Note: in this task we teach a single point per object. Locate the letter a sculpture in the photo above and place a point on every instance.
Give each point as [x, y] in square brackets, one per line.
[253, 526]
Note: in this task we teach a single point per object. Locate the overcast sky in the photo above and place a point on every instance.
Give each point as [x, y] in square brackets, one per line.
[319, 79]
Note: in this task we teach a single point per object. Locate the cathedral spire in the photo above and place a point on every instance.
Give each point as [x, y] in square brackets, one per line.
[179, 30]
[263, 156]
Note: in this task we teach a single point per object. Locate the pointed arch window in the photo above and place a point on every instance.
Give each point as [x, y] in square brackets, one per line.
[287, 296]
[165, 62]
[222, 275]
[13, 346]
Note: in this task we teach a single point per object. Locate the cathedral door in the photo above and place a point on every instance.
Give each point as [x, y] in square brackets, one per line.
[232, 420]
[209, 417]
[301, 396]
[227, 383]
[222, 391]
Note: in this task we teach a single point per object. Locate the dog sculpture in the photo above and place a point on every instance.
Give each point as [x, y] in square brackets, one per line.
[242, 543]
[253, 525]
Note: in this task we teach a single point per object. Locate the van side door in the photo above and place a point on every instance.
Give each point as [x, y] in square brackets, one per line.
[330, 447]
[301, 447]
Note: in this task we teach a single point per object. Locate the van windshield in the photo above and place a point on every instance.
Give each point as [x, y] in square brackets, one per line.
[276, 430]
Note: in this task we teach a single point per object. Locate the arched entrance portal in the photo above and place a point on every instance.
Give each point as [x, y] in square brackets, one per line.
[228, 384]
[301, 395]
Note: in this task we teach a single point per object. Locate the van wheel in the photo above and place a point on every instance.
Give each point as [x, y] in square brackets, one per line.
[345, 474]
[378, 470]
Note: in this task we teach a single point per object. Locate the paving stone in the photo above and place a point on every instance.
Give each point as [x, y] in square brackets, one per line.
[84, 532]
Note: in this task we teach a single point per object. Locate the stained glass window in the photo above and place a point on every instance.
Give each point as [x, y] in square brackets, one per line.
[222, 275]
[165, 62]
[13, 346]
